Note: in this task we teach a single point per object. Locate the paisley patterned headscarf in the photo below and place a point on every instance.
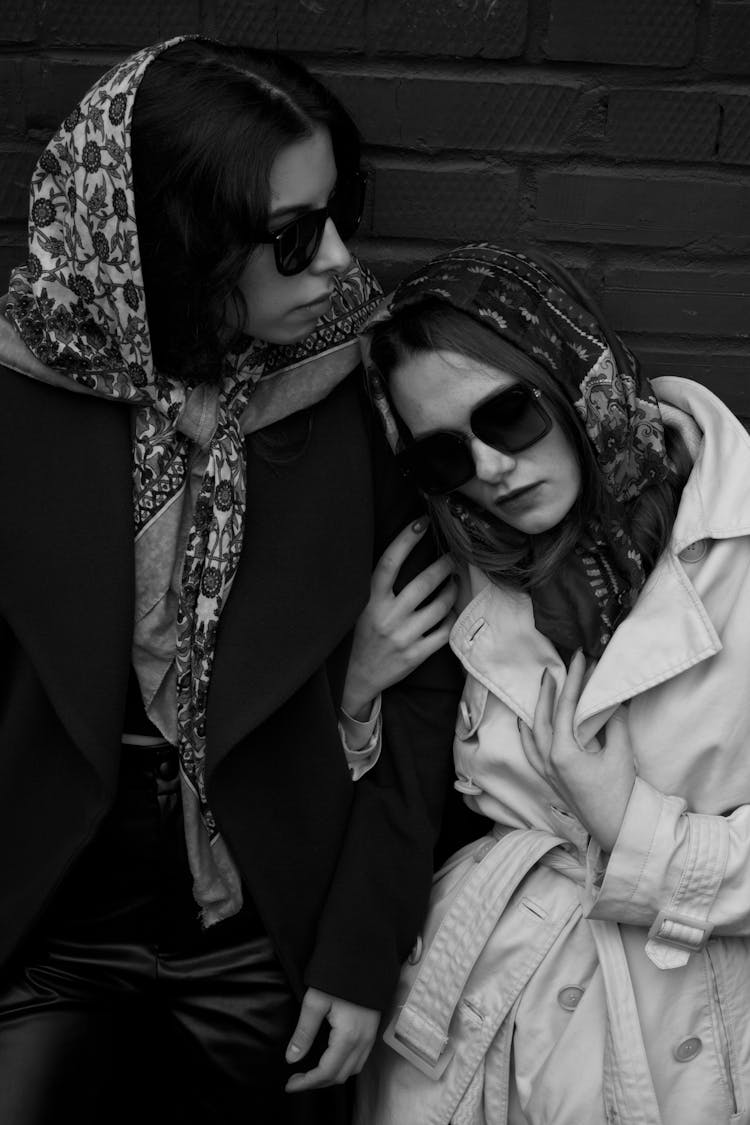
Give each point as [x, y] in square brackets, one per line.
[539, 308]
[79, 306]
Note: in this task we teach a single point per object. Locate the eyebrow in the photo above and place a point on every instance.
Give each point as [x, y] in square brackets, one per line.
[299, 208]
[291, 209]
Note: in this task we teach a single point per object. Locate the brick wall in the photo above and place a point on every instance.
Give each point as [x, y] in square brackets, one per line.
[614, 133]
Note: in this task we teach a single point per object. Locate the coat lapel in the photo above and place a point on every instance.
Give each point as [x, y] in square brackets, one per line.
[67, 589]
[304, 572]
[667, 632]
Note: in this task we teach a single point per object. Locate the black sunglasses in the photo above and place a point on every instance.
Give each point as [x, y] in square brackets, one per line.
[297, 242]
[509, 421]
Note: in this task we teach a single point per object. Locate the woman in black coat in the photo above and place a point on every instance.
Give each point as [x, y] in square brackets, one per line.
[218, 850]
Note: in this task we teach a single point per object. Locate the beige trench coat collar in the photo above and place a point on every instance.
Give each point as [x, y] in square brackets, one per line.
[668, 630]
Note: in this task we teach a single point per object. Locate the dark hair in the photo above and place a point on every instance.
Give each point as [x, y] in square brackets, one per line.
[208, 123]
[502, 552]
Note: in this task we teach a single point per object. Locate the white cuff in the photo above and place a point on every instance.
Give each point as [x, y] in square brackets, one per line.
[361, 740]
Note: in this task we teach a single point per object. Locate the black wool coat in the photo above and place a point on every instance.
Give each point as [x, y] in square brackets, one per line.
[340, 871]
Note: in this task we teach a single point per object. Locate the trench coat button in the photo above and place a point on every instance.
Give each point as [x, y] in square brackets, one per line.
[416, 952]
[694, 552]
[688, 1049]
[484, 848]
[568, 998]
[468, 786]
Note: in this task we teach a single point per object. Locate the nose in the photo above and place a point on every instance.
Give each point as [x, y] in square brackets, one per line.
[332, 254]
[490, 465]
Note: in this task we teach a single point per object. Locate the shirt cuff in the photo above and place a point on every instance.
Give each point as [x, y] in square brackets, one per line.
[361, 740]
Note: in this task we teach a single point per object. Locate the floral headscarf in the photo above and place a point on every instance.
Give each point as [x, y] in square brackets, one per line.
[537, 307]
[79, 306]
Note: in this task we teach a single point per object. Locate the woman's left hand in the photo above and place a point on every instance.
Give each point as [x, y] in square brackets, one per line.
[595, 781]
[395, 633]
[353, 1031]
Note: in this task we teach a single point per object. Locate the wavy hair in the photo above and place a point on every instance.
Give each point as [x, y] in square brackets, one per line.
[208, 122]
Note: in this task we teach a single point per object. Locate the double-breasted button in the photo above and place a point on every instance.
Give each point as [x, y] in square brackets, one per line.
[688, 1049]
[569, 997]
[694, 552]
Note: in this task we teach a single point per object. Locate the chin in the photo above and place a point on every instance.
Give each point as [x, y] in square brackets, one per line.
[541, 525]
[294, 337]
[292, 334]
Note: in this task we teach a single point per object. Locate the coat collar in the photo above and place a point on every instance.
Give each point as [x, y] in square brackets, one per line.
[716, 504]
[668, 630]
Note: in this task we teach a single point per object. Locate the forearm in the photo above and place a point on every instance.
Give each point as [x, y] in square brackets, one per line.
[383, 879]
[676, 872]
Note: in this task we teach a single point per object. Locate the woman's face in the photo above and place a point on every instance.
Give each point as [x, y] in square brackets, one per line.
[531, 491]
[284, 309]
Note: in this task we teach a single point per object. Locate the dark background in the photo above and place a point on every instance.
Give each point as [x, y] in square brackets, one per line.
[615, 133]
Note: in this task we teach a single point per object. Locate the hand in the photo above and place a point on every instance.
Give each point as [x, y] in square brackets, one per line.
[353, 1031]
[595, 781]
[395, 633]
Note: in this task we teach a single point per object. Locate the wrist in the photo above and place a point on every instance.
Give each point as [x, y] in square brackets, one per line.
[358, 708]
[358, 696]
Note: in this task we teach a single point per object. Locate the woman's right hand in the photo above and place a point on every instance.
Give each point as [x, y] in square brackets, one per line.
[395, 633]
[594, 780]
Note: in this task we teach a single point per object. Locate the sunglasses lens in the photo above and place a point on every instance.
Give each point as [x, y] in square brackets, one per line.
[511, 421]
[438, 463]
[299, 243]
[347, 204]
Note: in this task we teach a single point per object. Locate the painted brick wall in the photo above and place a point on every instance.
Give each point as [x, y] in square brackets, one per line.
[614, 133]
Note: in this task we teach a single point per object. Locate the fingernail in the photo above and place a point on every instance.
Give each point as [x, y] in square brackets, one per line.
[419, 525]
[518, 722]
[292, 1051]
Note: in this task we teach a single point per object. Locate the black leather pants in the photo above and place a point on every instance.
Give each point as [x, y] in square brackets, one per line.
[120, 1008]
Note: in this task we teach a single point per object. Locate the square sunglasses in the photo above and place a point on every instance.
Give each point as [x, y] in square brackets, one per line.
[509, 421]
[296, 243]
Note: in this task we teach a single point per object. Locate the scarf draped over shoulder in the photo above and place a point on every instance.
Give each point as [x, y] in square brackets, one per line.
[78, 305]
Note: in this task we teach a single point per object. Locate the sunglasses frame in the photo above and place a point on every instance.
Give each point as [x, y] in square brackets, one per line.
[533, 399]
[321, 215]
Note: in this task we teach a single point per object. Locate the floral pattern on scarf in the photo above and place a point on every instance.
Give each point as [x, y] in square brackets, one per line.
[79, 306]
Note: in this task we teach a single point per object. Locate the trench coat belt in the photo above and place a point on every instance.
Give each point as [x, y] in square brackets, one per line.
[421, 1025]
[420, 1028]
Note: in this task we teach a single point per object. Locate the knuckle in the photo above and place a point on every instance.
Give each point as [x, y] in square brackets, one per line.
[425, 585]
[447, 598]
[387, 562]
[381, 628]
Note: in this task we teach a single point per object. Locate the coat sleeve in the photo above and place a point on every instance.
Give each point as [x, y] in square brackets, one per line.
[382, 883]
[681, 874]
